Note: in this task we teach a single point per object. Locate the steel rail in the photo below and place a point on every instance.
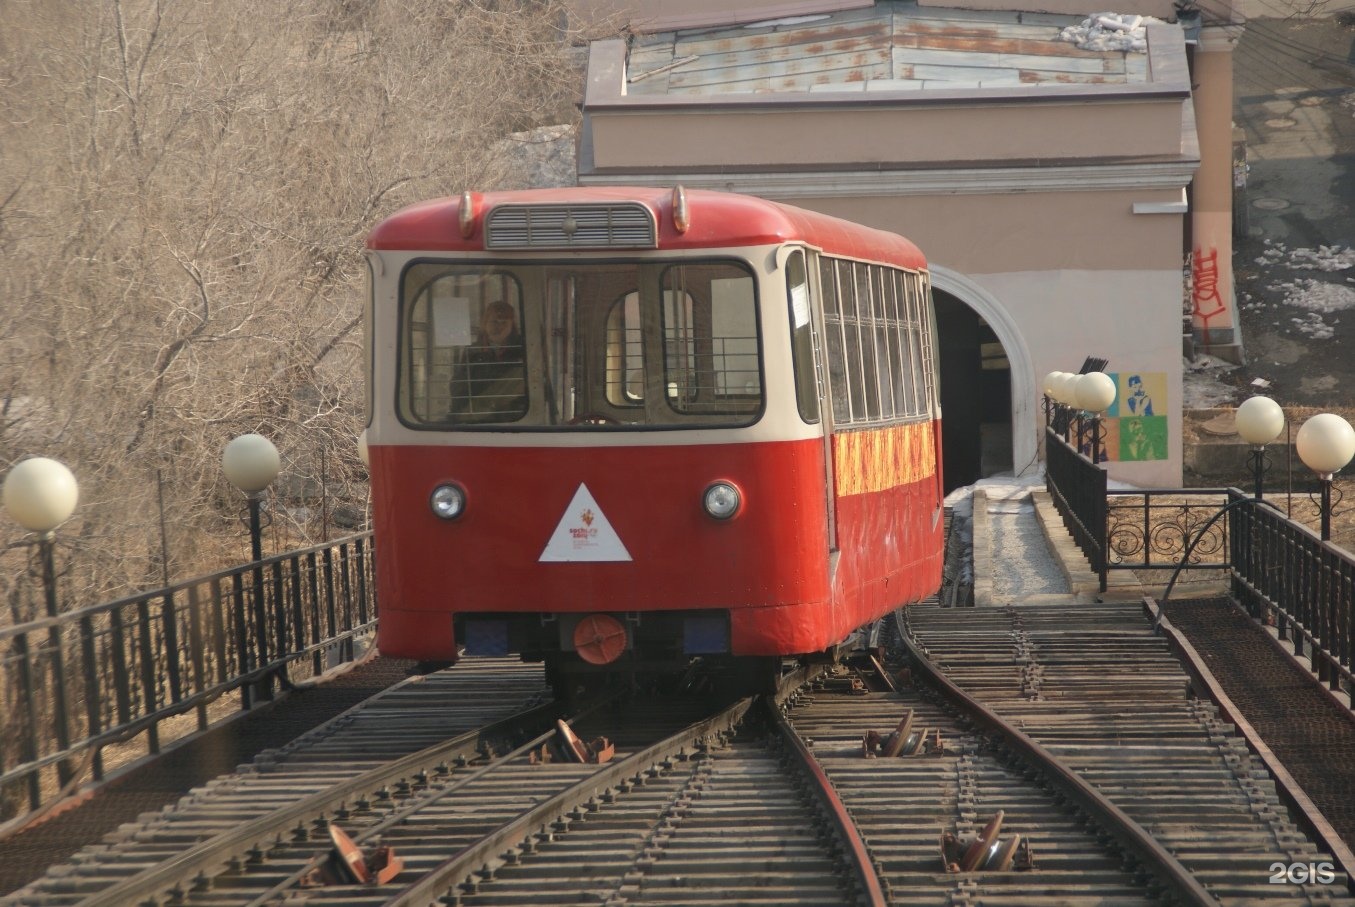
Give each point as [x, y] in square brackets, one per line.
[430, 890]
[218, 850]
[399, 816]
[856, 851]
[1131, 835]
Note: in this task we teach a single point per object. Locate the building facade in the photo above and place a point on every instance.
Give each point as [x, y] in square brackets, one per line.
[1074, 200]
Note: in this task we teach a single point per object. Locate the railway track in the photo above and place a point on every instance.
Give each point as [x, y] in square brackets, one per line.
[172, 848]
[836, 791]
[1095, 686]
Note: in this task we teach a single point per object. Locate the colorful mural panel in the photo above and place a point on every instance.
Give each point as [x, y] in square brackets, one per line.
[1136, 423]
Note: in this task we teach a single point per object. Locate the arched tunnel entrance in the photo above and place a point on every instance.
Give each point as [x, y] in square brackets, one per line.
[976, 395]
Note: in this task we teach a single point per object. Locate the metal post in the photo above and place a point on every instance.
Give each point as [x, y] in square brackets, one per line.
[164, 540]
[255, 529]
[60, 719]
[1096, 437]
[1326, 507]
[264, 686]
[1258, 465]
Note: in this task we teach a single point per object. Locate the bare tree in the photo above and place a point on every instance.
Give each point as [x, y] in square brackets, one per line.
[184, 192]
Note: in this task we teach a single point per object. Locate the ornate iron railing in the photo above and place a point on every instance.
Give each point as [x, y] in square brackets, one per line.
[1151, 528]
[1278, 568]
[1284, 574]
[74, 684]
[1078, 488]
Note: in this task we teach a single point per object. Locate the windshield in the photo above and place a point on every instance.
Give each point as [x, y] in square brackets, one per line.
[653, 344]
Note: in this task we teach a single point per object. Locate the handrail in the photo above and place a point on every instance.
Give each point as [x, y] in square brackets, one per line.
[75, 683]
[1278, 568]
[42, 623]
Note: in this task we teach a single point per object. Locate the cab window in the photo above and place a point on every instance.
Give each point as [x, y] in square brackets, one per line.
[533, 345]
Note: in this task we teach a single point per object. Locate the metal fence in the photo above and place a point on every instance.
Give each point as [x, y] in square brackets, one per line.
[79, 682]
[1078, 488]
[1283, 573]
[1152, 528]
[1279, 569]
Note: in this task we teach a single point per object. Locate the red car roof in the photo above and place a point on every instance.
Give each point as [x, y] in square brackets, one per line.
[717, 220]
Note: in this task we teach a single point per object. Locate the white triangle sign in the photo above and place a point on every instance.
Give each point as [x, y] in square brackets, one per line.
[584, 534]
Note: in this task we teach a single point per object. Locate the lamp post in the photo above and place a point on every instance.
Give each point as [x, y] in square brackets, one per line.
[1095, 392]
[251, 463]
[1049, 386]
[1326, 443]
[1063, 394]
[1259, 421]
[41, 494]
[1053, 388]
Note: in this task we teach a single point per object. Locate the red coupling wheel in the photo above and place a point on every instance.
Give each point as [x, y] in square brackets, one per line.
[600, 639]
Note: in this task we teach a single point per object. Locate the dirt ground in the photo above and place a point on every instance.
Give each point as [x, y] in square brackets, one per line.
[1294, 94]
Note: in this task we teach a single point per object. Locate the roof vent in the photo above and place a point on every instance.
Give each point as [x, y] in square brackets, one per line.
[626, 225]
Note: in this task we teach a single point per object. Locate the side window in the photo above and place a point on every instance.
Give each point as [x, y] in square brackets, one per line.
[625, 361]
[909, 367]
[870, 381]
[931, 364]
[851, 338]
[899, 346]
[710, 339]
[837, 363]
[368, 342]
[883, 292]
[802, 337]
[917, 331]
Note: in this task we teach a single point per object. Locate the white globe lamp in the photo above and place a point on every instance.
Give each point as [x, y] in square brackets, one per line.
[251, 463]
[1259, 421]
[1326, 443]
[1095, 392]
[40, 494]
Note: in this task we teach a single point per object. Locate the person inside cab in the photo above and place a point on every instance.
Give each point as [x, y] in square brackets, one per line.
[490, 383]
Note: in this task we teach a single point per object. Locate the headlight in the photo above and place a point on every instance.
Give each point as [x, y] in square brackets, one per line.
[447, 501]
[721, 500]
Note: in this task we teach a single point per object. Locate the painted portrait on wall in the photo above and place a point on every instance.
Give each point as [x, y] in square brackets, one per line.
[1143, 437]
[1139, 394]
[1136, 423]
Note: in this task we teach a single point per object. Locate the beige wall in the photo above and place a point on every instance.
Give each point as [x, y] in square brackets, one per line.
[1044, 231]
[844, 133]
[1074, 275]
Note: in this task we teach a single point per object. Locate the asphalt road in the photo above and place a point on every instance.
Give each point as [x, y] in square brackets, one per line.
[1294, 88]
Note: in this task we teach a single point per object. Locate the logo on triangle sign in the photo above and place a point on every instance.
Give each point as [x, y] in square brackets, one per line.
[584, 534]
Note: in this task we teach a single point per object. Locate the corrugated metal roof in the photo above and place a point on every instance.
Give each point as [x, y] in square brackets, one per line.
[894, 46]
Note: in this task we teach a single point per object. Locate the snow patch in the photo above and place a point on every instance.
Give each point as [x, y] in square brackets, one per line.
[1110, 31]
[1203, 386]
[1317, 296]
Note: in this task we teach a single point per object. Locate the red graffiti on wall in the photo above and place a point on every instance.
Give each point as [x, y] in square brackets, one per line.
[1208, 304]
